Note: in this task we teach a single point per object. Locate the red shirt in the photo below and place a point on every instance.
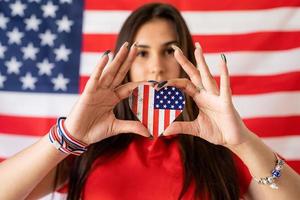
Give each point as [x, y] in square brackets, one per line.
[147, 169]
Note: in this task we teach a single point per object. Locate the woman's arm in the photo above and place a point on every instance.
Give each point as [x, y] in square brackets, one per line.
[29, 167]
[91, 120]
[260, 160]
[219, 123]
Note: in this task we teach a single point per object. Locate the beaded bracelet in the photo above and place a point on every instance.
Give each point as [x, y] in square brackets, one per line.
[63, 141]
[275, 174]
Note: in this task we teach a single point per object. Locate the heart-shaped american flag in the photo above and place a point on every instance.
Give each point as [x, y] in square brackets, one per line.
[156, 109]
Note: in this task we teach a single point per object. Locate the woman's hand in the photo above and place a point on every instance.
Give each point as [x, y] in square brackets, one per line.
[92, 118]
[217, 122]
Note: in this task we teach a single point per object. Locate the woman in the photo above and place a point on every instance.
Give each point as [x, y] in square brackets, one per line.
[193, 159]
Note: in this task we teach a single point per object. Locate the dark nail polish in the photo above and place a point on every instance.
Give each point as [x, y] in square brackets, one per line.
[224, 58]
[152, 81]
[106, 53]
[135, 44]
[161, 84]
[151, 137]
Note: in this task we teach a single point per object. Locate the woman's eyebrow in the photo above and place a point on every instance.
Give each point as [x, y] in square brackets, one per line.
[143, 46]
[164, 44]
[171, 42]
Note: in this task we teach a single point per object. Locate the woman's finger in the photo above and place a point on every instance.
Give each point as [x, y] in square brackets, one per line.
[100, 66]
[199, 95]
[93, 81]
[187, 66]
[127, 126]
[181, 127]
[110, 72]
[125, 67]
[123, 91]
[184, 84]
[208, 81]
[225, 91]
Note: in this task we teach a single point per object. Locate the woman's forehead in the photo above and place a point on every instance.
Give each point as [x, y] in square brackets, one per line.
[157, 31]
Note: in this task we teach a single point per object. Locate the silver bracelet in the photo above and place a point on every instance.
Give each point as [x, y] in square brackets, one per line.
[275, 174]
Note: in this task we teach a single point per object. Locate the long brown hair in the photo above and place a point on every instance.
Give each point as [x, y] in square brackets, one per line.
[210, 166]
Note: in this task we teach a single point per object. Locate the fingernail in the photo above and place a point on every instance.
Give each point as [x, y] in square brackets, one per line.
[224, 58]
[153, 81]
[106, 53]
[151, 137]
[134, 44]
[125, 44]
[161, 84]
[176, 48]
[197, 45]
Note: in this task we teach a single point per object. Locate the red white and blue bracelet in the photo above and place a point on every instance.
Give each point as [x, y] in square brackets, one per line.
[63, 141]
[275, 174]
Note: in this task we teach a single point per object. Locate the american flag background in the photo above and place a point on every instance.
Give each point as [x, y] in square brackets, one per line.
[156, 109]
[48, 49]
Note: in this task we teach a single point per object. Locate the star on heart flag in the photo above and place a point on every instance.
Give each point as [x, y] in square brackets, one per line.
[49, 48]
[156, 109]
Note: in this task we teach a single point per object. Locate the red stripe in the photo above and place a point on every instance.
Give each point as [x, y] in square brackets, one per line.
[167, 119]
[274, 126]
[243, 85]
[191, 4]
[177, 113]
[259, 41]
[145, 105]
[34, 126]
[82, 82]
[295, 164]
[155, 122]
[91, 42]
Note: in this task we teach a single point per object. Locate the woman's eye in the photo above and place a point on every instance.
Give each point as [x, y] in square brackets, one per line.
[170, 51]
[142, 53]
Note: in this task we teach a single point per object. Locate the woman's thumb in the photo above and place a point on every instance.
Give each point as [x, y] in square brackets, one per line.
[127, 126]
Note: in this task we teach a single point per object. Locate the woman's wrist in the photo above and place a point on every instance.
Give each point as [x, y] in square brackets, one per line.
[256, 155]
[61, 138]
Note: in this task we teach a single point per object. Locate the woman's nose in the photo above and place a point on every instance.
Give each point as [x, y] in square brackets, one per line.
[156, 65]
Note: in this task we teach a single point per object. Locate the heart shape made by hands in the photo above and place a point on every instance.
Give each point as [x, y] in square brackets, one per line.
[156, 109]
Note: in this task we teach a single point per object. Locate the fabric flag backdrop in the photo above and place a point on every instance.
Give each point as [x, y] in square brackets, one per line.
[49, 48]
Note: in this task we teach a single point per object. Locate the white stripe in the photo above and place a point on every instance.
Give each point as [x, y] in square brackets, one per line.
[151, 110]
[41, 105]
[287, 146]
[172, 116]
[161, 123]
[206, 22]
[278, 104]
[44, 105]
[88, 61]
[239, 63]
[140, 103]
[36, 104]
[257, 63]
[11, 144]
